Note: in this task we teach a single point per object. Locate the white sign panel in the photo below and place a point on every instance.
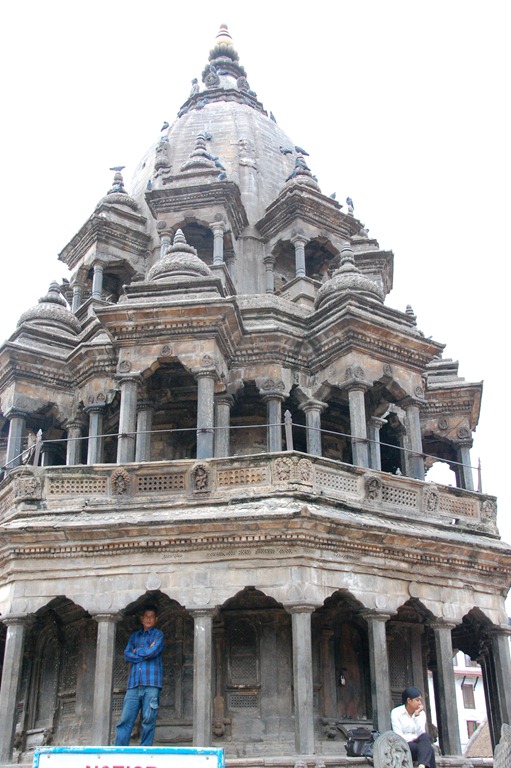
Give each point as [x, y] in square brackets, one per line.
[128, 757]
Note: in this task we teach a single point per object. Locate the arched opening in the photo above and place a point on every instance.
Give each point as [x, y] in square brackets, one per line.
[248, 422]
[253, 676]
[172, 391]
[175, 717]
[336, 427]
[341, 665]
[57, 677]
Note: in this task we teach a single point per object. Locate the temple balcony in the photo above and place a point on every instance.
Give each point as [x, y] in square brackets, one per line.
[184, 488]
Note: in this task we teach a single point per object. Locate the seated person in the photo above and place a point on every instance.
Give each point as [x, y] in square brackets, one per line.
[409, 721]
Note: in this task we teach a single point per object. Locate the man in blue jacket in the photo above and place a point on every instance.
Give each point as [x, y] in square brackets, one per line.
[144, 652]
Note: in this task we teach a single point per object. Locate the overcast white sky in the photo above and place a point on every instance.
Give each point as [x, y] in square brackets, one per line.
[402, 105]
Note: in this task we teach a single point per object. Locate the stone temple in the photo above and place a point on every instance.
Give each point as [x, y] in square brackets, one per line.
[219, 414]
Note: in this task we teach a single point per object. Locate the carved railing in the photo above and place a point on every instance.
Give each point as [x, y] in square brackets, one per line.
[243, 478]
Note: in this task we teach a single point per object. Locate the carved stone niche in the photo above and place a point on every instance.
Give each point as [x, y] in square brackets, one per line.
[27, 487]
[200, 479]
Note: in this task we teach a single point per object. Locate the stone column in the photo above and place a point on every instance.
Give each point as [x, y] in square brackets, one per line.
[373, 426]
[464, 470]
[103, 678]
[74, 442]
[165, 243]
[223, 405]
[96, 414]
[205, 413]
[269, 263]
[502, 665]
[415, 460]
[77, 297]
[358, 423]
[490, 694]
[11, 678]
[97, 280]
[202, 676]
[273, 396]
[299, 243]
[313, 410]
[17, 424]
[445, 697]
[302, 678]
[127, 419]
[218, 229]
[379, 669]
[145, 410]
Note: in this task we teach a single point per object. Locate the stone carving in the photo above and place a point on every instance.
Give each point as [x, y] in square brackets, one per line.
[387, 369]
[200, 478]
[27, 488]
[431, 500]
[502, 754]
[489, 513]
[442, 423]
[373, 488]
[166, 350]
[210, 77]
[272, 385]
[125, 366]
[418, 391]
[121, 482]
[283, 469]
[391, 751]
[247, 153]
[464, 433]
[304, 470]
[101, 397]
[207, 361]
[161, 225]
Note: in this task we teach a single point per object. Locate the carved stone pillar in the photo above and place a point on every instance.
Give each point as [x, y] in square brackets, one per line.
[358, 422]
[464, 469]
[269, 263]
[205, 412]
[11, 677]
[103, 678]
[445, 697]
[373, 426]
[145, 410]
[218, 229]
[302, 677]
[223, 405]
[17, 424]
[96, 414]
[202, 676]
[74, 442]
[379, 669]
[299, 243]
[77, 297]
[97, 280]
[415, 458]
[127, 419]
[273, 396]
[499, 637]
[313, 410]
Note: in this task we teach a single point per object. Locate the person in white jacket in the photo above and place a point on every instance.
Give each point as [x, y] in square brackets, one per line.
[409, 721]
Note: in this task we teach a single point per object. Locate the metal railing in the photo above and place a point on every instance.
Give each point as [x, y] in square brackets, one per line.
[32, 454]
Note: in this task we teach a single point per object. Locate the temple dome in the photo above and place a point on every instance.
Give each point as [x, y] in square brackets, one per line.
[245, 142]
[179, 262]
[51, 310]
[348, 279]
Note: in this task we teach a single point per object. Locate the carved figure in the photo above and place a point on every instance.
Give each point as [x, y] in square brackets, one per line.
[391, 751]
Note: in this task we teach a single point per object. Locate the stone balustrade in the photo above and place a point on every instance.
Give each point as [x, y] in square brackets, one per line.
[230, 479]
